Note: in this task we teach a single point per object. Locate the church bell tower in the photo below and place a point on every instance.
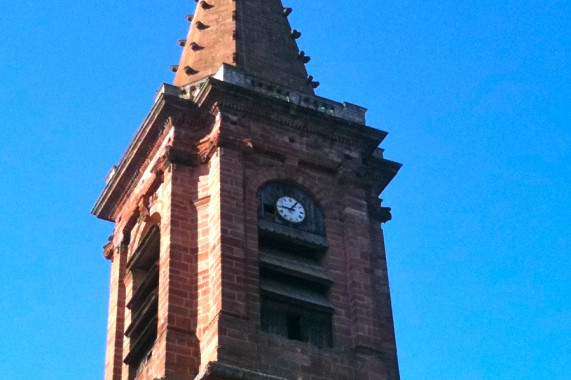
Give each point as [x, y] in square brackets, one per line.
[247, 241]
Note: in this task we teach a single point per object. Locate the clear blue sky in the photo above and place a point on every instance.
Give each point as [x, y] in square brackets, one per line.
[474, 94]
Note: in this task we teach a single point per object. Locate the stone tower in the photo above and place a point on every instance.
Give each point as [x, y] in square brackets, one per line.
[247, 241]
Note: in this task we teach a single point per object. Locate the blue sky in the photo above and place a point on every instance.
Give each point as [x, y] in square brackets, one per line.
[474, 94]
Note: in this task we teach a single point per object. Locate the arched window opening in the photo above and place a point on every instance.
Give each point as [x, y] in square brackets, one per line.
[142, 331]
[294, 285]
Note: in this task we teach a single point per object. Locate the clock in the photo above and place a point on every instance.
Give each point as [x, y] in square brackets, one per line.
[290, 209]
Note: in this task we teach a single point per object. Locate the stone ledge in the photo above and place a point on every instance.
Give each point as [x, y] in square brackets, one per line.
[346, 111]
[219, 371]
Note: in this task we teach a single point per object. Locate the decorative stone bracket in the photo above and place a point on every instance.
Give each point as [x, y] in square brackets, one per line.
[109, 249]
[379, 213]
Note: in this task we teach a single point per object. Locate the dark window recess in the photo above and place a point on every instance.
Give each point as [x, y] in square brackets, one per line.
[296, 322]
[294, 329]
[294, 286]
[288, 244]
[269, 212]
[142, 331]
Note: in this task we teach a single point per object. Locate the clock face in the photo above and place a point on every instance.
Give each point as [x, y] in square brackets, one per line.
[290, 209]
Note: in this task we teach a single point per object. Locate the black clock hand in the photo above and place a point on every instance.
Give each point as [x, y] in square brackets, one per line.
[292, 207]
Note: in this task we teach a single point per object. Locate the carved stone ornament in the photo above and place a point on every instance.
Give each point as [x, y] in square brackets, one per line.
[379, 213]
[244, 144]
[206, 150]
[152, 199]
[187, 119]
[109, 250]
[162, 165]
[143, 210]
[177, 156]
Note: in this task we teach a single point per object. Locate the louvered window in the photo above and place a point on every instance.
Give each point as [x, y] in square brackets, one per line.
[142, 331]
[294, 285]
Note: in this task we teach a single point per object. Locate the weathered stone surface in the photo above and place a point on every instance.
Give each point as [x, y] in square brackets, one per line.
[194, 170]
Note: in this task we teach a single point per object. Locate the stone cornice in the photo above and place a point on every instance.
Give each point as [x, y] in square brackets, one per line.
[231, 98]
[379, 172]
[129, 168]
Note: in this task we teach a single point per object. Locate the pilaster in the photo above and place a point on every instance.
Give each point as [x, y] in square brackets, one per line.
[178, 280]
[116, 319]
[359, 268]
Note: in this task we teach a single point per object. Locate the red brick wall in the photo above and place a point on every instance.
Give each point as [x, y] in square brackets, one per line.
[359, 330]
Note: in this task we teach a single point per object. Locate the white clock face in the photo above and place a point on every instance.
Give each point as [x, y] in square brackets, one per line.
[290, 209]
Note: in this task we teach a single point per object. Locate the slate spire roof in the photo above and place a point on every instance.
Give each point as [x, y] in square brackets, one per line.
[253, 35]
